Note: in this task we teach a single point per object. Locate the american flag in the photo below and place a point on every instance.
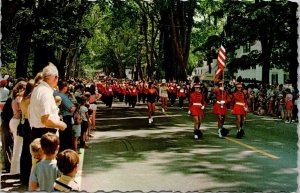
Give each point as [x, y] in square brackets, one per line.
[221, 60]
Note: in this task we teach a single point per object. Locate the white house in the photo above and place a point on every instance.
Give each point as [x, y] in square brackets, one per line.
[203, 72]
[276, 75]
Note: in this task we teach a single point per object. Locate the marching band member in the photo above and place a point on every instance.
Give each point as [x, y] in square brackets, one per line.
[163, 93]
[133, 92]
[145, 91]
[172, 92]
[109, 94]
[220, 107]
[151, 98]
[197, 105]
[239, 108]
[181, 93]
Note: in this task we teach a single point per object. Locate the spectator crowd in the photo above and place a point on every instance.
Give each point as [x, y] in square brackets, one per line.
[45, 120]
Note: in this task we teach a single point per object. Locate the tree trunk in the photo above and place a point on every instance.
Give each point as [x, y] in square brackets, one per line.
[293, 44]
[62, 63]
[42, 56]
[265, 55]
[23, 51]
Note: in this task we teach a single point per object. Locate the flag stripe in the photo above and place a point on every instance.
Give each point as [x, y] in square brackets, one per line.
[221, 61]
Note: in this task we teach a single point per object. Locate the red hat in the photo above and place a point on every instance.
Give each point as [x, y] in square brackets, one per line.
[197, 85]
[239, 84]
[3, 82]
[220, 82]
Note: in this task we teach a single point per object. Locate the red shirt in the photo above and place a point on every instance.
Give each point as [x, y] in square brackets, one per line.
[197, 97]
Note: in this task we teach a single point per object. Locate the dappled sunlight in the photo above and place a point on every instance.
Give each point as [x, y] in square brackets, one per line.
[286, 171]
[276, 143]
[152, 156]
[244, 154]
[203, 151]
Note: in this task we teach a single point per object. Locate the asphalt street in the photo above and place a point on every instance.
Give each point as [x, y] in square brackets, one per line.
[128, 154]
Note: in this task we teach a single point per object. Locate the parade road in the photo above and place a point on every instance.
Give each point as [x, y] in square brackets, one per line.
[128, 154]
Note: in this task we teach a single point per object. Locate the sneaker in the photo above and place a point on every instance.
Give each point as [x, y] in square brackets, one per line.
[219, 133]
[287, 122]
[150, 121]
[163, 110]
[196, 137]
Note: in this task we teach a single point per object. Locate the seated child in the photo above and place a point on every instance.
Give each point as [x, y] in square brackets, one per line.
[67, 163]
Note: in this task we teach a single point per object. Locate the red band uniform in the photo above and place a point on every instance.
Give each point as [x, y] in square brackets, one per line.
[197, 100]
[222, 99]
[239, 103]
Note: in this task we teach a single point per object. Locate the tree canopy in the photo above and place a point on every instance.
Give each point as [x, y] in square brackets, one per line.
[154, 39]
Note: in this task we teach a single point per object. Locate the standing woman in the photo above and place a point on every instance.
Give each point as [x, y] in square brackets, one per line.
[220, 108]
[239, 108]
[17, 95]
[93, 104]
[151, 98]
[197, 105]
[26, 162]
[163, 93]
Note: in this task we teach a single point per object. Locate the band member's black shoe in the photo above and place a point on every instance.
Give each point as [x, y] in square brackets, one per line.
[223, 132]
[240, 133]
[198, 134]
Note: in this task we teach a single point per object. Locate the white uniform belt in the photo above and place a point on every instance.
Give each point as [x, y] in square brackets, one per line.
[220, 102]
[197, 104]
[238, 103]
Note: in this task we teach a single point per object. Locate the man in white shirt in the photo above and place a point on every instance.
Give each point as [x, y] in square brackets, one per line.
[43, 114]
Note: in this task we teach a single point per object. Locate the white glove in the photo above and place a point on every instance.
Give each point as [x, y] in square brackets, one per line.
[203, 107]
[222, 102]
[245, 109]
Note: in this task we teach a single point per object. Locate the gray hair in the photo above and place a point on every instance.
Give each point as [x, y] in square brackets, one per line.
[49, 70]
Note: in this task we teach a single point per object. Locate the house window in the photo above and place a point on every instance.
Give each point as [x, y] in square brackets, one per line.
[246, 48]
[274, 78]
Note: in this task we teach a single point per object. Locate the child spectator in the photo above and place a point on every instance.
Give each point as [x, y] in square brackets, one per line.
[84, 124]
[67, 163]
[57, 100]
[58, 103]
[261, 104]
[36, 152]
[270, 105]
[281, 108]
[45, 172]
[76, 127]
[289, 106]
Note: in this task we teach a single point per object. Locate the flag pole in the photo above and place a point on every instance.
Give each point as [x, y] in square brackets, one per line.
[224, 67]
